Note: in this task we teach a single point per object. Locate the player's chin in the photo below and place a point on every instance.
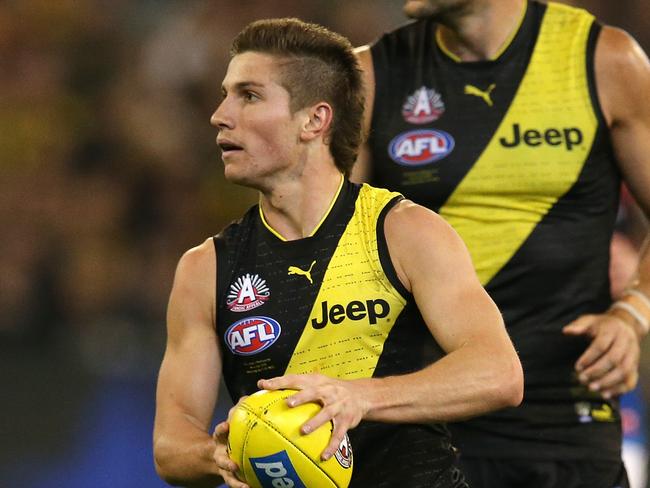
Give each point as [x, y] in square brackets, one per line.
[235, 173]
[418, 9]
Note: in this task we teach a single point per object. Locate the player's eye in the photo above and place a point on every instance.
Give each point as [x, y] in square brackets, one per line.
[250, 96]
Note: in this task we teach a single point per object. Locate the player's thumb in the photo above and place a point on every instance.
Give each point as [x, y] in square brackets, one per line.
[579, 326]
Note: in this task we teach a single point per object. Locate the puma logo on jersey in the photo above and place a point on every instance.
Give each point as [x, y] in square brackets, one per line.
[567, 136]
[603, 414]
[295, 270]
[484, 94]
[355, 310]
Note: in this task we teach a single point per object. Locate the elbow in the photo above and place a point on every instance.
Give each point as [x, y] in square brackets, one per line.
[504, 385]
[164, 464]
[511, 384]
[179, 467]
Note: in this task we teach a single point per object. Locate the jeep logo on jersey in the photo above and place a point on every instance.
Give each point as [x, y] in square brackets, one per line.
[420, 147]
[276, 470]
[247, 293]
[566, 136]
[424, 105]
[252, 335]
[355, 310]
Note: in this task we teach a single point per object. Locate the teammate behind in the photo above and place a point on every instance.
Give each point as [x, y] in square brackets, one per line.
[515, 120]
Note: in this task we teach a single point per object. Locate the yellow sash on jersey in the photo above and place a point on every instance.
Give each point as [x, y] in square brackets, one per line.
[356, 306]
[513, 186]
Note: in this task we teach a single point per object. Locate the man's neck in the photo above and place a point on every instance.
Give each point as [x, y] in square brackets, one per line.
[482, 32]
[296, 207]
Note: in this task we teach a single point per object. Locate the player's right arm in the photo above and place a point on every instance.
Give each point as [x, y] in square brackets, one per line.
[361, 169]
[188, 381]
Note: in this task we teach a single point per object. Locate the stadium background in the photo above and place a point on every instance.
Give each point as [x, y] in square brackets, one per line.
[109, 172]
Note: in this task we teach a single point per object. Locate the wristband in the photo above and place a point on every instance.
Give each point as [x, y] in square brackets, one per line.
[640, 295]
[638, 316]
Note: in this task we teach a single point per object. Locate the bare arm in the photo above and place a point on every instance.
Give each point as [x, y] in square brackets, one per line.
[610, 364]
[481, 371]
[361, 169]
[189, 376]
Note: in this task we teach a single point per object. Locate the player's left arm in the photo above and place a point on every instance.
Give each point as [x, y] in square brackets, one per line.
[480, 372]
[610, 363]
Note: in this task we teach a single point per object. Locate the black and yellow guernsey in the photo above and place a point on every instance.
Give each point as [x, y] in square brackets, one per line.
[330, 303]
[514, 153]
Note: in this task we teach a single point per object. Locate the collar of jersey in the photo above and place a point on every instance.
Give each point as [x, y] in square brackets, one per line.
[506, 44]
[318, 226]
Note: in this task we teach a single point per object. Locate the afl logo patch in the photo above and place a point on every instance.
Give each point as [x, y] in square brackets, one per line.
[420, 147]
[246, 293]
[424, 105]
[252, 335]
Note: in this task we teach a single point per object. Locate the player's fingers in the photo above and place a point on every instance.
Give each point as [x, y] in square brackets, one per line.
[307, 395]
[323, 416]
[220, 433]
[598, 347]
[223, 461]
[613, 377]
[622, 353]
[293, 381]
[623, 374]
[628, 384]
[598, 369]
[232, 481]
[338, 433]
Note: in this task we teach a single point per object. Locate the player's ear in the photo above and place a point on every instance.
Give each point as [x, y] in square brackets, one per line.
[318, 122]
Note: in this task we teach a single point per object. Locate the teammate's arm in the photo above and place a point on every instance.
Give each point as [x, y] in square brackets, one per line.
[610, 364]
[480, 372]
[188, 381]
[361, 169]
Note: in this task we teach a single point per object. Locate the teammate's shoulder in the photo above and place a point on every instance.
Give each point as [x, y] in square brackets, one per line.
[405, 33]
[622, 67]
[618, 45]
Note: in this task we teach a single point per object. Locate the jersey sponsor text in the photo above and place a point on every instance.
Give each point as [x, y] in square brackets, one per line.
[355, 310]
[567, 136]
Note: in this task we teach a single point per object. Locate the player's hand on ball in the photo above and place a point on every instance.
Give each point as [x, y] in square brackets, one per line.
[342, 403]
[227, 467]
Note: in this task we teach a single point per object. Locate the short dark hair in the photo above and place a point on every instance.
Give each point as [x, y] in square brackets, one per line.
[323, 67]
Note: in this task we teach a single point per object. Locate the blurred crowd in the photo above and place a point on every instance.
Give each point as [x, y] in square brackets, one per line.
[109, 170]
[109, 167]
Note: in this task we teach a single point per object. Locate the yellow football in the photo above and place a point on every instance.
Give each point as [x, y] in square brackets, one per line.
[266, 443]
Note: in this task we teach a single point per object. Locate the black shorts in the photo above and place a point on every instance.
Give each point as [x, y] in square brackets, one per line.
[523, 473]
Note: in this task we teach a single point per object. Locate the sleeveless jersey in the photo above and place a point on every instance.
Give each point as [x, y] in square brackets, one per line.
[514, 153]
[330, 303]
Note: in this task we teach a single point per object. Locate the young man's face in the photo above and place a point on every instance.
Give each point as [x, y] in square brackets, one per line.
[418, 9]
[258, 134]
